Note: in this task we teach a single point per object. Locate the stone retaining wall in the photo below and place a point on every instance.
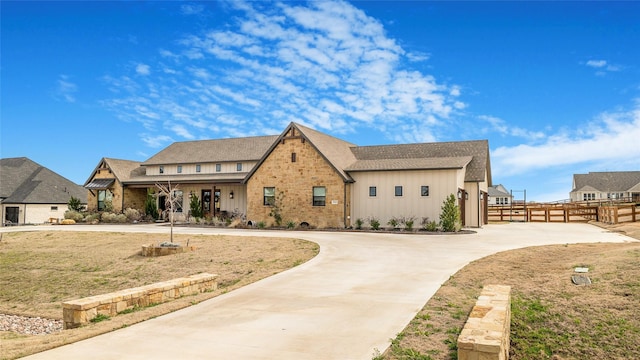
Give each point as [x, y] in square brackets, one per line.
[485, 335]
[79, 312]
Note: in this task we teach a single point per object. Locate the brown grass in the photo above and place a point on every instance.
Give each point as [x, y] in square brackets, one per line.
[552, 318]
[40, 270]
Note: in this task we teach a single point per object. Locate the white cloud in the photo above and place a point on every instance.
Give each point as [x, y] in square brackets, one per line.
[191, 9]
[597, 63]
[65, 89]
[143, 69]
[326, 64]
[603, 67]
[180, 130]
[503, 128]
[607, 143]
[157, 141]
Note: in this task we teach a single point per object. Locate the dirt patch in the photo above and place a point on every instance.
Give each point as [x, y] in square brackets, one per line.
[40, 270]
[552, 318]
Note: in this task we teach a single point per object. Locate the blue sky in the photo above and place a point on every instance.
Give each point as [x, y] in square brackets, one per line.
[553, 86]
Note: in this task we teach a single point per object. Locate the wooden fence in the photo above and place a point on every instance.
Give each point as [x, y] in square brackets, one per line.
[568, 212]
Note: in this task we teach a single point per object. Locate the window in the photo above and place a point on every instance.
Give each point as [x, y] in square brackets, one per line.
[373, 191]
[179, 169]
[198, 168]
[319, 195]
[104, 200]
[269, 196]
[178, 197]
[398, 191]
[293, 157]
[218, 167]
[239, 167]
[588, 196]
[161, 169]
[424, 190]
[54, 208]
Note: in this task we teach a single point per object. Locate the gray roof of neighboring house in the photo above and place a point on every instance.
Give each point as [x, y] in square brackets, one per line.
[22, 181]
[478, 150]
[498, 190]
[609, 181]
[218, 150]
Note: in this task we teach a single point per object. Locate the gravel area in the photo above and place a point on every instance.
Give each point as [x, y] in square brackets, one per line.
[29, 325]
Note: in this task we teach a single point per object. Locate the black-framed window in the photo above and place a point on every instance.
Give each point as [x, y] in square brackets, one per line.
[293, 157]
[319, 196]
[424, 190]
[179, 169]
[218, 167]
[269, 196]
[373, 191]
[161, 169]
[239, 167]
[104, 196]
[398, 190]
[198, 168]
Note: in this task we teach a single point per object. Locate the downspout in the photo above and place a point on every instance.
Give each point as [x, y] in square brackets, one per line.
[479, 205]
[122, 206]
[344, 204]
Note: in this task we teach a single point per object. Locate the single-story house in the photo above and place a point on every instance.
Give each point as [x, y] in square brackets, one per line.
[32, 194]
[499, 195]
[605, 186]
[306, 177]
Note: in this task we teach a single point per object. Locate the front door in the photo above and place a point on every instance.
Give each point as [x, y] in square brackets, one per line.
[216, 202]
[12, 214]
[206, 202]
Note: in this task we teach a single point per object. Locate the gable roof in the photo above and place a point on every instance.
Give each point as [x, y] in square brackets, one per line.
[610, 181]
[123, 170]
[452, 153]
[217, 150]
[498, 190]
[335, 151]
[22, 181]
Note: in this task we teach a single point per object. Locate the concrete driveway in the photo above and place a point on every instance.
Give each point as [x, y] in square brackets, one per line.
[349, 301]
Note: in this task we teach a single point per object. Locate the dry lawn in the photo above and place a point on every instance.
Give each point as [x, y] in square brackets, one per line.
[552, 318]
[40, 270]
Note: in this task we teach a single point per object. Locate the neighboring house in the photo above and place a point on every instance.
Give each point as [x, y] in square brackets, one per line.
[605, 186]
[306, 176]
[499, 195]
[33, 194]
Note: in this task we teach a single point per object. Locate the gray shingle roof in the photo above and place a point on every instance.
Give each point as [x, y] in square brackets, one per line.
[410, 164]
[218, 150]
[611, 181]
[123, 170]
[23, 181]
[498, 190]
[447, 151]
[336, 151]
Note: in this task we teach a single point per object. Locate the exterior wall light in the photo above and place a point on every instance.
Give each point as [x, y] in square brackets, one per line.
[231, 195]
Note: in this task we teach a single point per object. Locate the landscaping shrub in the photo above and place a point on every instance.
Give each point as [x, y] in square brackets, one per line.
[150, 207]
[393, 222]
[450, 215]
[359, 223]
[75, 204]
[374, 223]
[73, 215]
[132, 214]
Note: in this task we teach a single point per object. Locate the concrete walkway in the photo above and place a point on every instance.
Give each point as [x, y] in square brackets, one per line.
[349, 301]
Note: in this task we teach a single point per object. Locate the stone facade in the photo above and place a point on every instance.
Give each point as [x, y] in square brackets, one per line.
[485, 335]
[294, 182]
[81, 311]
[116, 190]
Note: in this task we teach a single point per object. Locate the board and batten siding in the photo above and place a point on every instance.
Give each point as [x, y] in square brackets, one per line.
[205, 168]
[386, 205]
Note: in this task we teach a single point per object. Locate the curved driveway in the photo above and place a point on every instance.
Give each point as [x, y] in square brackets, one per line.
[346, 303]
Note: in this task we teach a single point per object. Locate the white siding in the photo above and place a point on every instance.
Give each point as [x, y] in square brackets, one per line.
[411, 204]
[205, 168]
[41, 213]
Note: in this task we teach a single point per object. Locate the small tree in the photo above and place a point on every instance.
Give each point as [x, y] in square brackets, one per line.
[75, 204]
[195, 206]
[150, 206]
[450, 215]
[171, 201]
